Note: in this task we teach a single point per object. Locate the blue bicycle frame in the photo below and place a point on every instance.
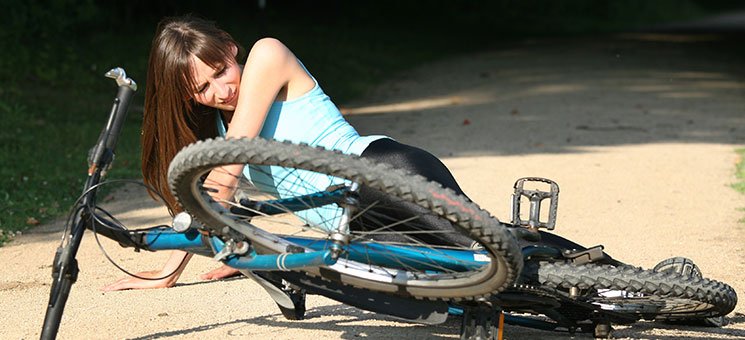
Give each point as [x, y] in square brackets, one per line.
[423, 258]
[390, 256]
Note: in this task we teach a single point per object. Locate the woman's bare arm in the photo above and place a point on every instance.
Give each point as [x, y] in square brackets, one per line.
[271, 73]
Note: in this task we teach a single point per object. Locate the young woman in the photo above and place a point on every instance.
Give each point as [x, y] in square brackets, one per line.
[196, 86]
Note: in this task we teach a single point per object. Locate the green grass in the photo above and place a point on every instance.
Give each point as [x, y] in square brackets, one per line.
[54, 99]
[740, 171]
[740, 175]
[44, 151]
[53, 115]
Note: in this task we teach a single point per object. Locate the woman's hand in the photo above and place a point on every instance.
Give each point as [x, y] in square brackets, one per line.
[173, 268]
[131, 282]
[220, 273]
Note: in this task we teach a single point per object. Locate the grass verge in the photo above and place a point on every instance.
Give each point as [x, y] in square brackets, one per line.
[740, 175]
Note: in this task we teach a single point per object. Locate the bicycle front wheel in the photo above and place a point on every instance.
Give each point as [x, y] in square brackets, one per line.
[393, 246]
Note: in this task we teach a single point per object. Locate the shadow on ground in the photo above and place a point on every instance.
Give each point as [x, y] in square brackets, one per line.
[351, 327]
[564, 95]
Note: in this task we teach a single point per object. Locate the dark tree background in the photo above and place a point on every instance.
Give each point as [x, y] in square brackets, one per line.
[51, 40]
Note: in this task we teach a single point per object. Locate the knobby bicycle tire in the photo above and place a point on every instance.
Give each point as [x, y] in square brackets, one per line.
[626, 289]
[186, 180]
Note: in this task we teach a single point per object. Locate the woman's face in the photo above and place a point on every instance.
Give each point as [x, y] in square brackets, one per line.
[217, 87]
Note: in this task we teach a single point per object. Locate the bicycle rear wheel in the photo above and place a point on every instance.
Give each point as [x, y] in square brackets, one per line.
[630, 290]
[386, 253]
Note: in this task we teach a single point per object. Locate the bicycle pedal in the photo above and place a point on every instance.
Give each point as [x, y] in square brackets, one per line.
[535, 197]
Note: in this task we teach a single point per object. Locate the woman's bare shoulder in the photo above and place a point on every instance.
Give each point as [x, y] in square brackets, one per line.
[270, 48]
[275, 60]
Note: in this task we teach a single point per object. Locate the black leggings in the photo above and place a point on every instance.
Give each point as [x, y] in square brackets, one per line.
[415, 161]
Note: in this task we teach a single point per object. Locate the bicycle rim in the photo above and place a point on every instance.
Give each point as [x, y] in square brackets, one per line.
[385, 253]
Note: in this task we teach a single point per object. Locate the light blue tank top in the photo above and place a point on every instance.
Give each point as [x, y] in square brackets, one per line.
[313, 119]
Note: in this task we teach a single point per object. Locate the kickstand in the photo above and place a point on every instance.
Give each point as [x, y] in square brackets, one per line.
[290, 302]
[482, 322]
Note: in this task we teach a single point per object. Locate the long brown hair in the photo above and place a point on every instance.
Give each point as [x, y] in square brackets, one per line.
[172, 117]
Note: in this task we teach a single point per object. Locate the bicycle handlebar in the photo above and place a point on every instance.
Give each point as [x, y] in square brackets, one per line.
[127, 88]
[103, 153]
